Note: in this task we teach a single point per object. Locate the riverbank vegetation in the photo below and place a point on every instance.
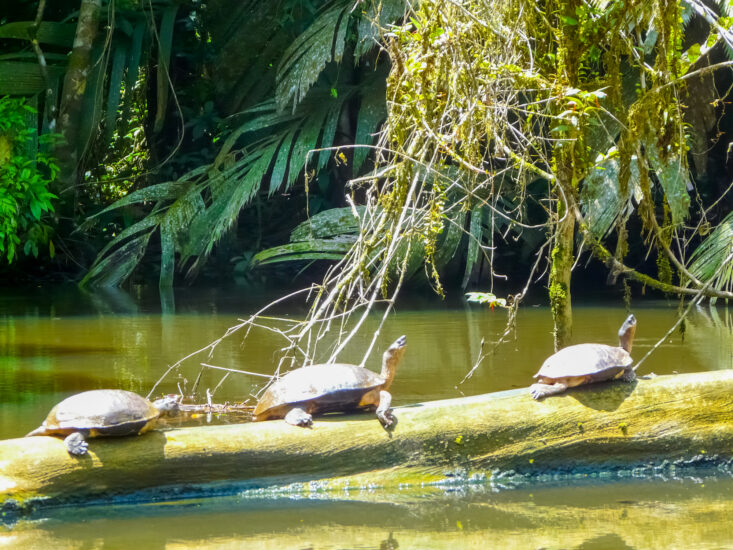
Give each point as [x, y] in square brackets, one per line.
[368, 146]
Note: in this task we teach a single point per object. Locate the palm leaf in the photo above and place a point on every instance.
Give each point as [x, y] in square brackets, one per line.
[49, 32]
[601, 198]
[134, 57]
[329, 223]
[474, 241]
[159, 192]
[675, 180]
[313, 249]
[450, 240]
[708, 257]
[306, 57]
[25, 79]
[372, 111]
[376, 15]
[117, 266]
[114, 94]
[165, 44]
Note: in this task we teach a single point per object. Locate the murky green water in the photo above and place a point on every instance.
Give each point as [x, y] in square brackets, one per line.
[57, 344]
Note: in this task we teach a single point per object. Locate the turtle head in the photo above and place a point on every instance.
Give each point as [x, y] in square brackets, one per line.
[168, 405]
[391, 359]
[626, 333]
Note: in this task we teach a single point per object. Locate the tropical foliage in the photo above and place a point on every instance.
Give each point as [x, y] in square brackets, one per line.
[265, 147]
[514, 134]
[25, 176]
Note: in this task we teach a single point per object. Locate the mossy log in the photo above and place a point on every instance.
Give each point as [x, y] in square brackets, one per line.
[604, 427]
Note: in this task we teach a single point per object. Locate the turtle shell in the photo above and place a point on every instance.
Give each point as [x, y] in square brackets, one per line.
[584, 360]
[320, 388]
[102, 412]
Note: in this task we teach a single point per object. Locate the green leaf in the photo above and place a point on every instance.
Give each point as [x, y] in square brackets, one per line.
[376, 16]
[474, 243]
[372, 111]
[708, 257]
[165, 45]
[35, 209]
[323, 41]
[114, 268]
[49, 32]
[114, 83]
[675, 180]
[314, 249]
[158, 192]
[329, 223]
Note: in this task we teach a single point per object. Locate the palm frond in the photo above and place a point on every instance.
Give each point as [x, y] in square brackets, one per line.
[112, 269]
[49, 32]
[376, 14]
[313, 249]
[329, 223]
[165, 44]
[306, 57]
[708, 257]
[674, 177]
[601, 198]
[372, 111]
[326, 236]
[474, 242]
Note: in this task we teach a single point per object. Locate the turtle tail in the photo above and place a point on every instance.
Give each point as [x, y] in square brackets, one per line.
[40, 430]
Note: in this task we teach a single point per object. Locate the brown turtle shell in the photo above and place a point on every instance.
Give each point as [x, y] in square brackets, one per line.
[585, 360]
[319, 389]
[102, 412]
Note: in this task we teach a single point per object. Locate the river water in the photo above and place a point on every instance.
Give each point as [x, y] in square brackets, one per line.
[58, 343]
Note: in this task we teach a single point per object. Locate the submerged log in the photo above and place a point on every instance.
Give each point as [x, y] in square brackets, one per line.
[597, 428]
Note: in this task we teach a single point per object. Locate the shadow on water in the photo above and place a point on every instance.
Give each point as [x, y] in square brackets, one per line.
[28, 350]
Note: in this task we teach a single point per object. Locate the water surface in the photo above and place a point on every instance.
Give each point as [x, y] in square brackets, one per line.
[56, 344]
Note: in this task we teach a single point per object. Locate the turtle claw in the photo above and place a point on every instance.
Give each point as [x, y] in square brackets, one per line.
[384, 410]
[386, 418]
[76, 444]
[540, 391]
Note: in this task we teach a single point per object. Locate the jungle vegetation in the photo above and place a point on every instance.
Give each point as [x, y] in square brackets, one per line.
[368, 145]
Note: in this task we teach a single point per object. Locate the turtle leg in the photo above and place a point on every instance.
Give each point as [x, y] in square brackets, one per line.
[76, 444]
[628, 376]
[298, 417]
[538, 391]
[384, 412]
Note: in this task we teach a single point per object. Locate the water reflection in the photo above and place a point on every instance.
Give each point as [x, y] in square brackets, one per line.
[639, 515]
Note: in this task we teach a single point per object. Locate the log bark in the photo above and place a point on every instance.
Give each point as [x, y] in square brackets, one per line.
[605, 427]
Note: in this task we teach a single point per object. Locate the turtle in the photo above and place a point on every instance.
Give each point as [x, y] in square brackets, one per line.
[586, 363]
[318, 389]
[98, 413]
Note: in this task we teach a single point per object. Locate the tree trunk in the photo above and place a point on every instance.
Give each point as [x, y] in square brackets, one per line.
[75, 83]
[604, 428]
[560, 275]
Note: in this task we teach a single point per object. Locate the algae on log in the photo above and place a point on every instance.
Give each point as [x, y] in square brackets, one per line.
[601, 428]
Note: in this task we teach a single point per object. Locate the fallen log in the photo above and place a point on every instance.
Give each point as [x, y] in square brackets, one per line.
[598, 428]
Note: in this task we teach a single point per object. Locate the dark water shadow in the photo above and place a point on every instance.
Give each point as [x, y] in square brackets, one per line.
[29, 350]
[605, 542]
